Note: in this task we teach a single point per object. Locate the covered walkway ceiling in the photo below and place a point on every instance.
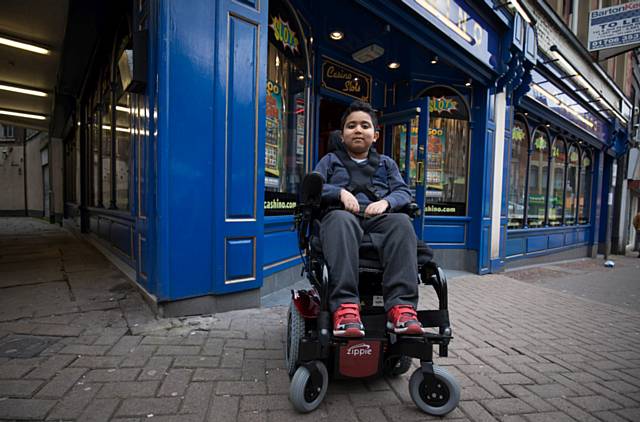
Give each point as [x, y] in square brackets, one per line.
[40, 23]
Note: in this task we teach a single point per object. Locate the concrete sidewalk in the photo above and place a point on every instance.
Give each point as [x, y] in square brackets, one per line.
[78, 343]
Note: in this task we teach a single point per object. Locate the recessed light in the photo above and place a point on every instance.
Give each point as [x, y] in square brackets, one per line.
[336, 35]
[24, 46]
[300, 77]
[19, 90]
[468, 83]
[393, 65]
[434, 60]
[25, 115]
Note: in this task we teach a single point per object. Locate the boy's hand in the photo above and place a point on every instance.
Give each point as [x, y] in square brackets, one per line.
[376, 208]
[349, 201]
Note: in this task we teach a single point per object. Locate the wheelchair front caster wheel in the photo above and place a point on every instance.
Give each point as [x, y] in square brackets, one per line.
[435, 395]
[309, 386]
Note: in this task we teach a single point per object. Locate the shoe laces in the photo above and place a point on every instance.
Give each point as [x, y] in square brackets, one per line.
[403, 313]
[348, 313]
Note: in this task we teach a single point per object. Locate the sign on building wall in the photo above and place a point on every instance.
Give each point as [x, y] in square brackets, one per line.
[614, 26]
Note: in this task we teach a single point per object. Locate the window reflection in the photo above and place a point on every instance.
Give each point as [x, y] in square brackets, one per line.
[556, 193]
[538, 173]
[518, 173]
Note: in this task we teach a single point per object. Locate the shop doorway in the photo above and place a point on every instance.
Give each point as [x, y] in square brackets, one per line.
[331, 111]
[329, 120]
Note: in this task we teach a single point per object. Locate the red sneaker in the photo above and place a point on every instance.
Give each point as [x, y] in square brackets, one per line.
[403, 319]
[346, 321]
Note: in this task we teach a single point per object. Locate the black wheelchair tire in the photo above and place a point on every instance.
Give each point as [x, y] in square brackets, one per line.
[306, 397]
[397, 365]
[295, 331]
[437, 399]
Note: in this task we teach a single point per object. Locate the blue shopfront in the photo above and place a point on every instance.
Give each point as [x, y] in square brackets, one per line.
[563, 142]
[192, 169]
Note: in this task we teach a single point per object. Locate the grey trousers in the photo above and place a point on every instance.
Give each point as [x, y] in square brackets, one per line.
[341, 233]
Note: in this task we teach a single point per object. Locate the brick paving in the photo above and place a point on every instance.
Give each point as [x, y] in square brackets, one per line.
[522, 352]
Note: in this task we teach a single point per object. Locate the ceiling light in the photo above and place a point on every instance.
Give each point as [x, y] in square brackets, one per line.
[336, 35]
[300, 77]
[468, 83]
[24, 46]
[25, 115]
[393, 65]
[368, 53]
[434, 60]
[123, 109]
[23, 90]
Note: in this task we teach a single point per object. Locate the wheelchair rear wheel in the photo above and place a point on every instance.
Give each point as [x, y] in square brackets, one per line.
[295, 331]
[309, 386]
[436, 395]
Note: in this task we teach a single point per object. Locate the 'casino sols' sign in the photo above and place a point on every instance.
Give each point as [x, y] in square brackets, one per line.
[346, 80]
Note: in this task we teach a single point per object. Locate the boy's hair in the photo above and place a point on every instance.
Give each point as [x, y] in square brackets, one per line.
[359, 106]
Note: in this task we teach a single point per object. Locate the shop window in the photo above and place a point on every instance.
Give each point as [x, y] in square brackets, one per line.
[571, 196]
[95, 157]
[556, 184]
[584, 197]
[447, 152]
[399, 149]
[122, 153]
[286, 111]
[538, 173]
[518, 173]
[106, 151]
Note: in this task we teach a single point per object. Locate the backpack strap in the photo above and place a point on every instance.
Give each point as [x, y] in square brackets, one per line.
[361, 176]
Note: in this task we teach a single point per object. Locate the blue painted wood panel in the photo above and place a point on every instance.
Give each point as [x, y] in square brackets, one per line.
[121, 238]
[142, 258]
[536, 243]
[570, 238]
[515, 247]
[241, 141]
[279, 246]
[556, 241]
[581, 236]
[445, 233]
[239, 259]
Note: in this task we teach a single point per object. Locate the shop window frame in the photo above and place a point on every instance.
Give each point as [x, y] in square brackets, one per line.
[522, 118]
[427, 92]
[545, 220]
[558, 138]
[588, 152]
[309, 100]
[575, 145]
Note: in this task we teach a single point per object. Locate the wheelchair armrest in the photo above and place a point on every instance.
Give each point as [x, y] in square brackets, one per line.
[434, 276]
[411, 209]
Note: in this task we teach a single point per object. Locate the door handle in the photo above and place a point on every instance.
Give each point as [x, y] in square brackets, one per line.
[420, 175]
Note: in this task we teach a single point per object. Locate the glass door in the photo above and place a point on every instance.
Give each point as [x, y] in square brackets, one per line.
[405, 131]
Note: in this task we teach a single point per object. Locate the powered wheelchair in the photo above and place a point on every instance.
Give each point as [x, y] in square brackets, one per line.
[313, 353]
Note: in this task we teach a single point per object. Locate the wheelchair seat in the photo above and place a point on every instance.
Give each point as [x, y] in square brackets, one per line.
[369, 256]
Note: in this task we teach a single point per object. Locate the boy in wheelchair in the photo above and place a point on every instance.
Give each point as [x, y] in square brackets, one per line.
[371, 190]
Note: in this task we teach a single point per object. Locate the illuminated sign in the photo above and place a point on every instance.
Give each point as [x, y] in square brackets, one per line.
[442, 104]
[464, 24]
[283, 33]
[346, 80]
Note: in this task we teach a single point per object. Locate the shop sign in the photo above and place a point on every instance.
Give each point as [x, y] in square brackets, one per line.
[283, 33]
[442, 104]
[462, 22]
[614, 26]
[445, 209]
[345, 80]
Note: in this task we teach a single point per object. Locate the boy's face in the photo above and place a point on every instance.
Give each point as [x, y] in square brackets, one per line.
[358, 134]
